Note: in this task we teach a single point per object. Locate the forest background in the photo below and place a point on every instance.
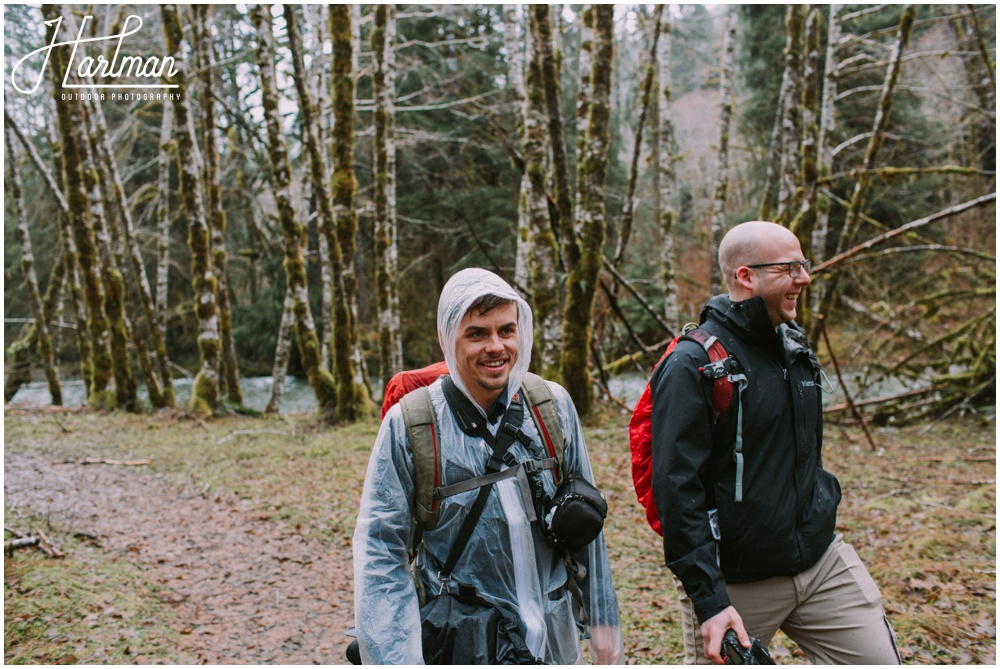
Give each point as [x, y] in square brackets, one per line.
[201, 237]
[320, 171]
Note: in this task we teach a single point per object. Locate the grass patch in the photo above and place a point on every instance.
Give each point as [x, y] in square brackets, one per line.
[88, 608]
[921, 512]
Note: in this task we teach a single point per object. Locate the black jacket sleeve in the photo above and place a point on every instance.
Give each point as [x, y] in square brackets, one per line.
[682, 425]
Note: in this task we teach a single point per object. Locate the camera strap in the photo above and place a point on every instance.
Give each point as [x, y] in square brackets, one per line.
[472, 423]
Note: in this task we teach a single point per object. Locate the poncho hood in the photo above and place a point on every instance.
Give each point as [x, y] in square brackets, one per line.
[464, 288]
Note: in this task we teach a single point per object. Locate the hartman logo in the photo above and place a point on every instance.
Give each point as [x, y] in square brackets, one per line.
[121, 72]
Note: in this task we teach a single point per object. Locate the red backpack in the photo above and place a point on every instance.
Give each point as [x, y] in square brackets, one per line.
[720, 369]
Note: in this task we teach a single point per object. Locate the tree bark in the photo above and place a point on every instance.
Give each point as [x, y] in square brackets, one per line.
[216, 216]
[721, 190]
[544, 252]
[295, 234]
[550, 79]
[863, 183]
[805, 221]
[282, 352]
[40, 336]
[663, 165]
[160, 385]
[205, 391]
[625, 226]
[73, 142]
[163, 212]
[353, 400]
[827, 128]
[581, 282]
[790, 116]
[516, 72]
[383, 41]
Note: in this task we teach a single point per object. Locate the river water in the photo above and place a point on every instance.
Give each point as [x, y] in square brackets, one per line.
[298, 396]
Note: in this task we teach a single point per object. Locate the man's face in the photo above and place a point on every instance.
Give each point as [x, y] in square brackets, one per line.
[779, 291]
[485, 352]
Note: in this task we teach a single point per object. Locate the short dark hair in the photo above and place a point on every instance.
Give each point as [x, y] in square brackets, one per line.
[487, 303]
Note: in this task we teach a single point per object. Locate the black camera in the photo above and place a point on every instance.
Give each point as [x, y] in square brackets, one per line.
[733, 651]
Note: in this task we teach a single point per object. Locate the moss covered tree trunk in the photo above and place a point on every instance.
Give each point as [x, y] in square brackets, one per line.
[581, 281]
[721, 191]
[383, 44]
[65, 272]
[295, 235]
[160, 384]
[515, 46]
[550, 78]
[663, 165]
[865, 170]
[353, 399]
[216, 216]
[205, 391]
[805, 220]
[40, 327]
[73, 138]
[827, 129]
[544, 252]
[791, 117]
[282, 352]
[163, 212]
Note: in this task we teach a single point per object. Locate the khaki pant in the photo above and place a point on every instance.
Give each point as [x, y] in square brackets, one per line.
[833, 611]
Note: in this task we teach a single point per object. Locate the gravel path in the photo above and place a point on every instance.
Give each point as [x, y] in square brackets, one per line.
[246, 590]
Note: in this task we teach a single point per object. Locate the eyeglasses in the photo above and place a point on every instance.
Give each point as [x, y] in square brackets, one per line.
[792, 267]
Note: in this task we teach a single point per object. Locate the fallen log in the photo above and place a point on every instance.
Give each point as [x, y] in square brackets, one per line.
[12, 545]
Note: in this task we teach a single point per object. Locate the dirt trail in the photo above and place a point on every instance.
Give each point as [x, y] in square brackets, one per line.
[248, 590]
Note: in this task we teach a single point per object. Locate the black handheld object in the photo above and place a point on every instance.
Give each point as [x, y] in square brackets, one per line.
[733, 651]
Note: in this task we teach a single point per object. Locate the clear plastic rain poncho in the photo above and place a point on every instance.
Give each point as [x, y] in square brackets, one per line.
[506, 559]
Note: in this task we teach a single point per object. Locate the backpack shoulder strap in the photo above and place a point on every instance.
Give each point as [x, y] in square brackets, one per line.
[542, 406]
[422, 429]
[718, 368]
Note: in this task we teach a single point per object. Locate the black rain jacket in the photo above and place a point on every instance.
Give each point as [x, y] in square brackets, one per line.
[789, 509]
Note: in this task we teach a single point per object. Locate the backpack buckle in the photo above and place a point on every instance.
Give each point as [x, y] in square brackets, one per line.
[719, 369]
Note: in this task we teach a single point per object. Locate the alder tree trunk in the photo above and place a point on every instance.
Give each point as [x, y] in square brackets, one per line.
[721, 190]
[628, 213]
[216, 216]
[73, 141]
[790, 116]
[282, 351]
[163, 212]
[663, 166]
[40, 336]
[205, 391]
[159, 384]
[864, 171]
[383, 40]
[827, 130]
[582, 278]
[557, 141]
[543, 246]
[295, 234]
[353, 399]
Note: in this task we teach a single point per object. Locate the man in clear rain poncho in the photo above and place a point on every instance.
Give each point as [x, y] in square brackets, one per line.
[485, 331]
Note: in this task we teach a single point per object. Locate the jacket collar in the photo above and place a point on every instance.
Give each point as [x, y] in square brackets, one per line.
[748, 319]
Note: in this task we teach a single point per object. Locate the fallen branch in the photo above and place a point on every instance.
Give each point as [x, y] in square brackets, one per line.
[13, 544]
[843, 386]
[237, 433]
[885, 398]
[101, 461]
[51, 549]
[954, 458]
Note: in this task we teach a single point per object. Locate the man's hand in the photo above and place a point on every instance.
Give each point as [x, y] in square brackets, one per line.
[713, 629]
[606, 645]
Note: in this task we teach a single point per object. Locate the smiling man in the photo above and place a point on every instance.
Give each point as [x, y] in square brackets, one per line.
[747, 510]
[485, 332]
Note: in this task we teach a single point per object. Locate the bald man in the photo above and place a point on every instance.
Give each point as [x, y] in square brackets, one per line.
[748, 512]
